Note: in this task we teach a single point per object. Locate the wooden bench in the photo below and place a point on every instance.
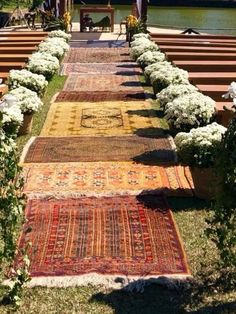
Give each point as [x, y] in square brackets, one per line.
[23, 34]
[224, 116]
[200, 56]
[185, 48]
[194, 43]
[4, 76]
[206, 66]
[14, 57]
[21, 39]
[17, 50]
[217, 78]
[202, 36]
[19, 44]
[214, 91]
[7, 66]
[3, 90]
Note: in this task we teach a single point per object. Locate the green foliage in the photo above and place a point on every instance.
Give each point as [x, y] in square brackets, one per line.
[222, 225]
[55, 24]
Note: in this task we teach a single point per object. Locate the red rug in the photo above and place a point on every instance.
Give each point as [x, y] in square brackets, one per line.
[99, 96]
[126, 235]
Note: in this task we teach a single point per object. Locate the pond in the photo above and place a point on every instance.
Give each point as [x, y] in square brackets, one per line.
[211, 20]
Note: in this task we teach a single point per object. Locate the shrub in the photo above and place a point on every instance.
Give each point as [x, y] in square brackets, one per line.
[32, 81]
[150, 57]
[141, 35]
[137, 51]
[190, 111]
[200, 146]
[60, 34]
[155, 67]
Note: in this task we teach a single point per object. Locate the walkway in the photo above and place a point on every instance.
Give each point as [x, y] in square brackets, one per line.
[97, 177]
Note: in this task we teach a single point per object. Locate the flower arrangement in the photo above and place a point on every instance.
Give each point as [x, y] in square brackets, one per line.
[150, 57]
[52, 49]
[59, 42]
[165, 76]
[32, 81]
[155, 67]
[27, 100]
[60, 34]
[173, 91]
[141, 35]
[199, 147]
[134, 26]
[11, 115]
[43, 63]
[189, 111]
[137, 51]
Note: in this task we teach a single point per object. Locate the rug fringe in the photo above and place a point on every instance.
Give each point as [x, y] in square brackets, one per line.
[133, 283]
[25, 150]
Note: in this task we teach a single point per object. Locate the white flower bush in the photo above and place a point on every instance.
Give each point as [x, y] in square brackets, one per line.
[60, 34]
[27, 100]
[155, 67]
[173, 91]
[199, 147]
[58, 42]
[137, 51]
[189, 111]
[48, 47]
[140, 42]
[141, 35]
[165, 76]
[32, 81]
[43, 63]
[150, 57]
[11, 115]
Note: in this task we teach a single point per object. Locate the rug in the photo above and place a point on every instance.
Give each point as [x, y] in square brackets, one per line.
[126, 235]
[97, 55]
[101, 96]
[105, 82]
[97, 43]
[101, 119]
[86, 148]
[104, 178]
[101, 68]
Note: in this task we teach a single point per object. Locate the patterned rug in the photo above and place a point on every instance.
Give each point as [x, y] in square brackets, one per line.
[97, 55]
[101, 119]
[126, 235]
[101, 96]
[101, 68]
[98, 43]
[105, 82]
[75, 149]
[104, 178]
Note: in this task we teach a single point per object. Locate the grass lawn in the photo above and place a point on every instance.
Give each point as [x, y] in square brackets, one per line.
[204, 296]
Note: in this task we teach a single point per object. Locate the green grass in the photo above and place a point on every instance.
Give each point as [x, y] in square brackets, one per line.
[53, 87]
[204, 295]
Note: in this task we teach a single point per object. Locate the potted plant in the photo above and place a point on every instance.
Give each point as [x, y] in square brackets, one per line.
[198, 149]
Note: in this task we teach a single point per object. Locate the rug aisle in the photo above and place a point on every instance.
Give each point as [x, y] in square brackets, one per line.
[96, 178]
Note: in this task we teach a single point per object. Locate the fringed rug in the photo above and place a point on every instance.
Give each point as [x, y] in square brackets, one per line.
[103, 82]
[97, 43]
[101, 68]
[87, 148]
[97, 55]
[120, 236]
[99, 96]
[104, 178]
[101, 119]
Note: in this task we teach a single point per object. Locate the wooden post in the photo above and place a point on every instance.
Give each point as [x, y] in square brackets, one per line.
[62, 7]
[144, 11]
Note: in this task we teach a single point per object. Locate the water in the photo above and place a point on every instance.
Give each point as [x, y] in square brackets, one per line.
[211, 20]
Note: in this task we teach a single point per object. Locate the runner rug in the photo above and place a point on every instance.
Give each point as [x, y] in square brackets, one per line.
[97, 55]
[97, 43]
[119, 236]
[101, 96]
[87, 148]
[103, 82]
[101, 119]
[104, 178]
[101, 68]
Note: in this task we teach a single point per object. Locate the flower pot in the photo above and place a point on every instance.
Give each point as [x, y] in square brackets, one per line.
[26, 126]
[204, 182]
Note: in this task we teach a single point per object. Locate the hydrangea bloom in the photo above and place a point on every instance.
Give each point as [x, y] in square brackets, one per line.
[171, 92]
[27, 100]
[199, 146]
[189, 111]
[166, 76]
[150, 57]
[32, 81]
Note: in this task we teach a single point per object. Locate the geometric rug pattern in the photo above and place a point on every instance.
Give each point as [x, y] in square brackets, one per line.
[123, 235]
[105, 82]
[104, 178]
[98, 96]
[100, 119]
[100, 68]
[92, 149]
[98, 43]
[97, 55]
